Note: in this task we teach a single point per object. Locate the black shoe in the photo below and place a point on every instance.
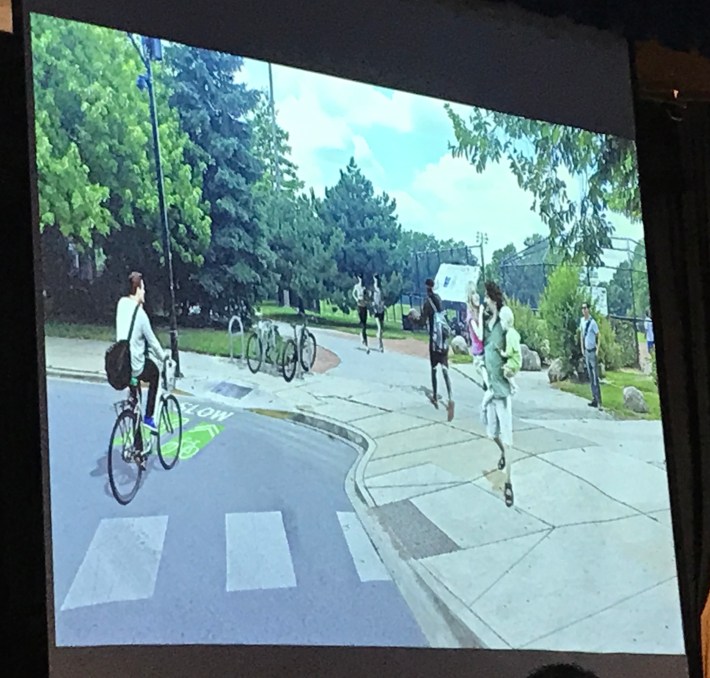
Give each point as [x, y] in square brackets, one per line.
[594, 403]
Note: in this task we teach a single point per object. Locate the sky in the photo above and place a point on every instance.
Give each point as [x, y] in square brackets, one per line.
[400, 141]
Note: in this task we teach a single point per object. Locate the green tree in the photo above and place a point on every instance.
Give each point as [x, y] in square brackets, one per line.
[270, 144]
[619, 298]
[238, 265]
[540, 154]
[304, 249]
[493, 269]
[639, 273]
[95, 158]
[370, 228]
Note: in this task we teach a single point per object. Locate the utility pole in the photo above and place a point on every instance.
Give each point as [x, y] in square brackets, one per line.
[152, 51]
[274, 145]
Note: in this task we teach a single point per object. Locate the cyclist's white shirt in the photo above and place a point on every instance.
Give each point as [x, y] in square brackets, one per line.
[143, 339]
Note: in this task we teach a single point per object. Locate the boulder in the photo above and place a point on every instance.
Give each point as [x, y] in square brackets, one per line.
[634, 400]
[531, 360]
[459, 346]
[557, 371]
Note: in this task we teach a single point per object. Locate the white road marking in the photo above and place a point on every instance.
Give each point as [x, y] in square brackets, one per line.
[121, 563]
[258, 554]
[367, 562]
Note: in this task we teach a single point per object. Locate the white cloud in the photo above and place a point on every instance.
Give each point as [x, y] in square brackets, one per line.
[453, 201]
[330, 120]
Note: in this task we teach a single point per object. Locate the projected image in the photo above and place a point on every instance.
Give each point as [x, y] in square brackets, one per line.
[329, 363]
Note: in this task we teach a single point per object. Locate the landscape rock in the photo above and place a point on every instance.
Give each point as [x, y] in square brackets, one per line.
[531, 360]
[635, 401]
[459, 346]
[557, 371]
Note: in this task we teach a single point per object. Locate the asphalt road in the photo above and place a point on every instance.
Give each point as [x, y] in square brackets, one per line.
[251, 540]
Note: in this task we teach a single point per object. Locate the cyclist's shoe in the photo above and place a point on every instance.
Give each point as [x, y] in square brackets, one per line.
[150, 424]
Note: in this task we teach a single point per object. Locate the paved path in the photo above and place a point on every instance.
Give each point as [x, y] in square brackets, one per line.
[251, 540]
[583, 562]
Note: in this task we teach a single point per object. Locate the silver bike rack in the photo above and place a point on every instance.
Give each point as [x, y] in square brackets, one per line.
[231, 333]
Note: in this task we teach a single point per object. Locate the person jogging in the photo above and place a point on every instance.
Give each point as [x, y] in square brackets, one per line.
[438, 345]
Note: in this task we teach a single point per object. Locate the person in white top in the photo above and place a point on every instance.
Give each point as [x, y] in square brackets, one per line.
[360, 297]
[648, 329]
[147, 355]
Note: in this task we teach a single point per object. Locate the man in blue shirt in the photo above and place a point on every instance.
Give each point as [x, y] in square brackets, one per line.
[589, 336]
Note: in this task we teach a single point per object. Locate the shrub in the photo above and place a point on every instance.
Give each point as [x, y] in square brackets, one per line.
[610, 352]
[532, 329]
[627, 339]
[560, 308]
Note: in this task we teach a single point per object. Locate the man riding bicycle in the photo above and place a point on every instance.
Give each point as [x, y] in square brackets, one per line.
[146, 352]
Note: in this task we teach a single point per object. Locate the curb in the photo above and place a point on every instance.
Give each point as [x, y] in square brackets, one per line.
[459, 633]
[363, 443]
[92, 377]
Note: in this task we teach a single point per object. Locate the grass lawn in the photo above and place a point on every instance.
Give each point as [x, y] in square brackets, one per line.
[613, 393]
[208, 341]
[344, 322]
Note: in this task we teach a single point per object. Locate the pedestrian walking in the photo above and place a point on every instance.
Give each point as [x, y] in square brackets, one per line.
[360, 296]
[378, 310]
[497, 407]
[438, 345]
[648, 329]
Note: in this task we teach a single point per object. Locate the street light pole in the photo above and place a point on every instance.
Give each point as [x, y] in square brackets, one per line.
[152, 51]
[481, 240]
[272, 107]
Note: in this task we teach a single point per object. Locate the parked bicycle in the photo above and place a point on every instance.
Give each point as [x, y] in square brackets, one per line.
[132, 443]
[307, 345]
[265, 344]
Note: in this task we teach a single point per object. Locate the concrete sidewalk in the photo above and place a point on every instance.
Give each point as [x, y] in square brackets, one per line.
[583, 562]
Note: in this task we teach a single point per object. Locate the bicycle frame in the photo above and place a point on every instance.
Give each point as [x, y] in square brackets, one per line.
[135, 404]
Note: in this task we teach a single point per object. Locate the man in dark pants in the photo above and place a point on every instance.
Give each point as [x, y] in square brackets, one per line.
[589, 338]
[438, 348]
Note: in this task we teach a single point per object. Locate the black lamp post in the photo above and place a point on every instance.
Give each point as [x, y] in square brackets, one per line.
[151, 50]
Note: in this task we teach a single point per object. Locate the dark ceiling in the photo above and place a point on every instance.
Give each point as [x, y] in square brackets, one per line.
[682, 25]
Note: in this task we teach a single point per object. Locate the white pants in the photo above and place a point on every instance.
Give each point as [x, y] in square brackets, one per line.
[499, 420]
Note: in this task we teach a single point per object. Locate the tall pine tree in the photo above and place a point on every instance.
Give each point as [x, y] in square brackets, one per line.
[213, 109]
[370, 229]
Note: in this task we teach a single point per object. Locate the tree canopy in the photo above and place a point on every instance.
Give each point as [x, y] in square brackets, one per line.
[543, 156]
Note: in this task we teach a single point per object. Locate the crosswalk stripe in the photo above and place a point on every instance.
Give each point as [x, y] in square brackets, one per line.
[258, 553]
[121, 563]
[367, 562]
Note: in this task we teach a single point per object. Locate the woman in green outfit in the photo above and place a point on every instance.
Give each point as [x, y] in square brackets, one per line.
[497, 411]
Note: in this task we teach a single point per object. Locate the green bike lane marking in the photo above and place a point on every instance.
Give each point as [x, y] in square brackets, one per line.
[193, 440]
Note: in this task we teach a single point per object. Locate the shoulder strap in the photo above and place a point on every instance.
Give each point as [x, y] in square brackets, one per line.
[133, 322]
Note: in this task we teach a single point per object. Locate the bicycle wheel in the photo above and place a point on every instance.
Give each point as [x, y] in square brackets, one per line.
[289, 360]
[308, 350]
[254, 353]
[122, 464]
[169, 425]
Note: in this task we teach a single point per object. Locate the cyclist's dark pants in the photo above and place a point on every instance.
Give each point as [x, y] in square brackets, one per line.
[362, 312]
[150, 375]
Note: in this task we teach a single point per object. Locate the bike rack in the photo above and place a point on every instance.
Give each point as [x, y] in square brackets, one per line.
[231, 333]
